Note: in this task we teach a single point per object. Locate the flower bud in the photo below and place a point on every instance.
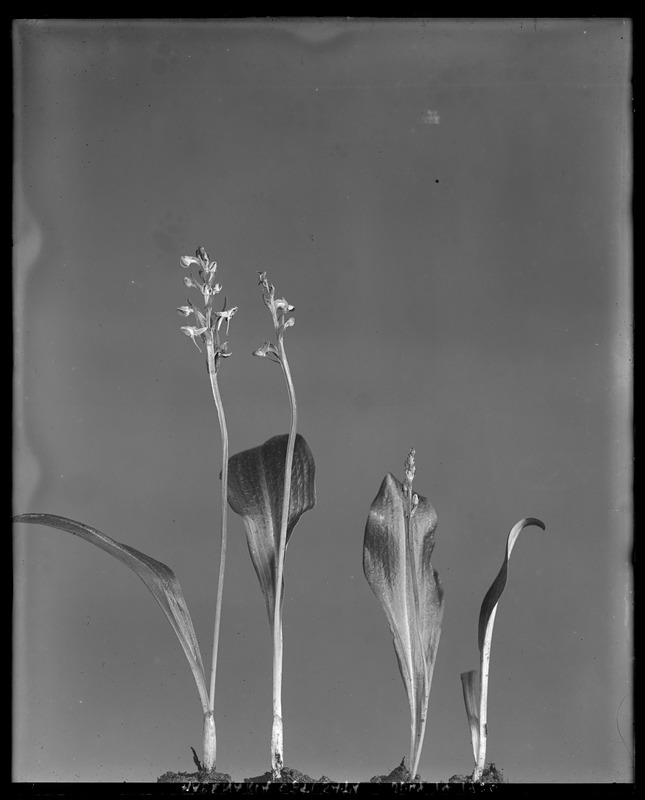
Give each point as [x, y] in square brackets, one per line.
[410, 468]
[415, 503]
[202, 255]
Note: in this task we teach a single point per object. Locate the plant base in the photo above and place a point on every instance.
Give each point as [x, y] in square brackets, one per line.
[288, 775]
[201, 776]
[400, 774]
[491, 774]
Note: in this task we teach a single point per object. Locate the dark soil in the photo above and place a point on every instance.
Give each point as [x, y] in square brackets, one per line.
[201, 776]
[288, 776]
[400, 774]
[491, 774]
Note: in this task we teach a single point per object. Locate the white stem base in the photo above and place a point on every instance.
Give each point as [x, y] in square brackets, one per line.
[210, 741]
[277, 748]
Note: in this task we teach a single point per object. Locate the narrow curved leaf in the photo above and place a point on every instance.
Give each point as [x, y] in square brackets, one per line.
[160, 580]
[396, 563]
[474, 682]
[255, 491]
[499, 584]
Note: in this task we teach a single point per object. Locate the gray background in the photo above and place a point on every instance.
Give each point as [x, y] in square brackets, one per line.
[447, 205]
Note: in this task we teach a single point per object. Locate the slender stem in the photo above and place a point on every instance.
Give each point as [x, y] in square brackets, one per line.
[212, 373]
[277, 745]
[483, 697]
[417, 734]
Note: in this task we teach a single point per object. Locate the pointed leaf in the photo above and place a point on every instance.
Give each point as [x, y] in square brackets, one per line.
[499, 584]
[397, 565]
[159, 579]
[255, 491]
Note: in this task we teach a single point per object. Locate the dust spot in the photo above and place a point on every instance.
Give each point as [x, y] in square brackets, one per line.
[430, 117]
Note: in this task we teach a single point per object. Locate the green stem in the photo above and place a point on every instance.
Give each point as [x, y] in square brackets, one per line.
[277, 741]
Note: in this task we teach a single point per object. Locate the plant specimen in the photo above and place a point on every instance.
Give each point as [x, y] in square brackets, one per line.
[398, 545]
[474, 683]
[270, 487]
[159, 578]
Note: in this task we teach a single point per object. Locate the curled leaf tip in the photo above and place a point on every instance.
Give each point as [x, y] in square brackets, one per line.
[486, 614]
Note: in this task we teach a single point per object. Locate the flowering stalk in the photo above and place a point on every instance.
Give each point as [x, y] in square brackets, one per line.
[411, 503]
[209, 323]
[279, 309]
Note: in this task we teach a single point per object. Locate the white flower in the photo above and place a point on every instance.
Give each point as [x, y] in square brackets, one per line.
[224, 315]
[268, 350]
[282, 305]
[192, 331]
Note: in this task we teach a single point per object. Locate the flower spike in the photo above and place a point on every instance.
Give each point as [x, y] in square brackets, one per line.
[209, 322]
[278, 308]
[207, 327]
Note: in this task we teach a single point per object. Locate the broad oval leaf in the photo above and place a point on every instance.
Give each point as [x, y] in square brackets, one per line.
[396, 563]
[160, 580]
[255, 492]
